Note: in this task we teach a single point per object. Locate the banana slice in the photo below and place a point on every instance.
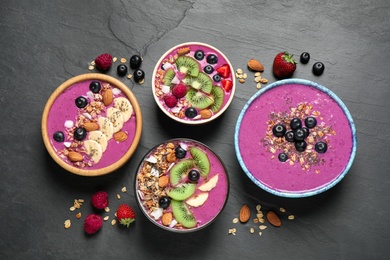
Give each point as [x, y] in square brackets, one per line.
[210, 184]
[123, 104]
[116, 118]
[94, 150]
[100, 138]
[106, 127]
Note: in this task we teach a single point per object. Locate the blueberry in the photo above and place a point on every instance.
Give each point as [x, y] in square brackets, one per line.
[121, 70]
[138, 75]
[81, 102]
[208, 69]
[310, 122]
[318, 68]
[193, 175]
[295, 123]
[282, 157]
[212, 59]
[217, 78]
[321, 147]
[300, 146]
[191, 112]
[305, 57]
[279, 130]
[164, 202]
[180, 152]
[199, 55]
[95, 86]
[59, 136]
[135, 61]
[299, 134]
[289, 136]
[80, 133]
[306, 130]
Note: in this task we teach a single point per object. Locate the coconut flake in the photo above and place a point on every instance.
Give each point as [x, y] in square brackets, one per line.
[87, 116]
[184, 146]
[157, 213]
[175, 109]
[167, 66]
[140, 194]
[175, 80]
[116, 91]
[173, 223]
[165, 89]
[151, 159]
[90, 95]
[69, 124]
[67, 144]
[154, 172]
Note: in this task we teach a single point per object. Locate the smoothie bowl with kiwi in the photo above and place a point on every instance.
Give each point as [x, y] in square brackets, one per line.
[193, 83]
[181, 185]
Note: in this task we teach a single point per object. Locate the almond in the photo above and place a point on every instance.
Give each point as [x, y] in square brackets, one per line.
[183, 51]
[245, 213]
[205, 113]
[255, 65]
[91, 126]
[108, 97]
[120, 136]
[75, 156]
[273, 219]
[163, 181]
[166, 218]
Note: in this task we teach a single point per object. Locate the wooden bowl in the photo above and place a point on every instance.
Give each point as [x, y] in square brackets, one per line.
[62, 114]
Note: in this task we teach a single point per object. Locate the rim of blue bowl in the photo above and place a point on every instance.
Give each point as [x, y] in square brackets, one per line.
[309, 84]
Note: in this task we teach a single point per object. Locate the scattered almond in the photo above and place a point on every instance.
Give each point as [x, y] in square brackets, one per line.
[183, 51]
[205, 113]
[75, 156]
[166, 218]
[273, 219]
[108, 97]
[255, 65]
[163, 181]
[245, 213]
[91, 126]
[123, 60]
[120, 136]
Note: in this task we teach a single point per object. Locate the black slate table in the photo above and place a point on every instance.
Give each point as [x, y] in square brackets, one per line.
[44, 43]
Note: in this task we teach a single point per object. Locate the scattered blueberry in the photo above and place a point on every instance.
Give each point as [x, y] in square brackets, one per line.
[310, 122]
[180, 152]
[121, 70]
[138, 75]
[164, 202]
[81, 102]
[306, 130]
[321, 147]
[80, 133]
[318, 68]
[95, 86]
[279, 130]
[217, 78]
[212, 59]
[208, 69]
[305, 57]
[193, 175]
[59, 136]
[300, 134]
[135, 61]
[282, 157]
[295, 123]
[191, 112]
[300, 146]
[199, 55]
[289, 136]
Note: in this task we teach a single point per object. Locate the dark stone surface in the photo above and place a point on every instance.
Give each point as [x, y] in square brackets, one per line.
[44, 43]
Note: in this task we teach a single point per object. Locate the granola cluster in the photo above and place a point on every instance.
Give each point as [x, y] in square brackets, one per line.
[308, 158]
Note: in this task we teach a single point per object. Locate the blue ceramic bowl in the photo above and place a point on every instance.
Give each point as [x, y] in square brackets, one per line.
[257, 173]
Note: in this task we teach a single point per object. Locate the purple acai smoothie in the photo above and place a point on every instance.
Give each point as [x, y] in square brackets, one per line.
[283, 157]
[93, 119]
[181, 185]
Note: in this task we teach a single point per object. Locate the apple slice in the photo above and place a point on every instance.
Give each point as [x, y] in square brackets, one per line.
[198, 199]
[210, 184]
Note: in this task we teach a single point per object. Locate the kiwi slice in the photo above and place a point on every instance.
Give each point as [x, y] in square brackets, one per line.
[201, 161]
[182, 214]
[201, 82]
[179, 170]
[218, 94]
[188, 65]
[198, 99]
[183, 191]
[168, 77]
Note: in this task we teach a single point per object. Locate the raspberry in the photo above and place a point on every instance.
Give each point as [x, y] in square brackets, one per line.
[179, 90]
[170, 100]
[103, 61]
[92, 223]
[100, 200]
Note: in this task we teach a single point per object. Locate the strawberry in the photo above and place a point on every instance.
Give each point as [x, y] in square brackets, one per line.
[227, 84]
[100, 199]
[103, 62]
[224, 71]
[125, 215]
[284, 65]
